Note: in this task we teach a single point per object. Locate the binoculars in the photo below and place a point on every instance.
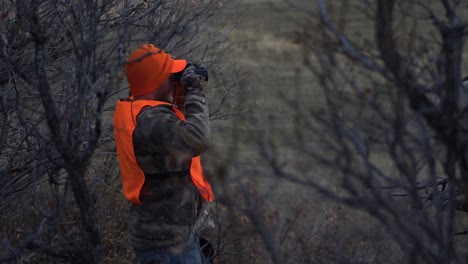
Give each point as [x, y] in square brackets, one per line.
[179, 93]
[202, 71]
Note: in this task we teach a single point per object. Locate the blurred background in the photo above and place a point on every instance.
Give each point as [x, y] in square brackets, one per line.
[338, 127]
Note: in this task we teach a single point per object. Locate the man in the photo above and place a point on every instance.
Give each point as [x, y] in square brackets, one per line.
[158, 150]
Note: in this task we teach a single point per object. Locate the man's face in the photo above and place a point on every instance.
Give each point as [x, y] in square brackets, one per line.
[167, 89]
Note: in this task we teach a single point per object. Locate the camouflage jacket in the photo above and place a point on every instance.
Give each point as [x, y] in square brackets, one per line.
[164, 146]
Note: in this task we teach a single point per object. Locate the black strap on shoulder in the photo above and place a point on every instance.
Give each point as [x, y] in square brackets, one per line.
[125, 100]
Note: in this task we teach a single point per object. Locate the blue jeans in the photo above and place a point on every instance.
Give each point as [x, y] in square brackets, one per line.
[191, 255]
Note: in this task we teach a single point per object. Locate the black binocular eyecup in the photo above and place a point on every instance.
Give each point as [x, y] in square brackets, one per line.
[202, 71]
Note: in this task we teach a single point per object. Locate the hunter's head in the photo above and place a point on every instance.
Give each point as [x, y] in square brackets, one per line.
[149, 73]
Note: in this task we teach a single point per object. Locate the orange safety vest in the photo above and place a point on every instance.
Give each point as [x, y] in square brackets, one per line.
[133, 176]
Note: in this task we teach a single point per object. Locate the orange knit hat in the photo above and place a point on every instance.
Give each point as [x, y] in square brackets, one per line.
[148, 68]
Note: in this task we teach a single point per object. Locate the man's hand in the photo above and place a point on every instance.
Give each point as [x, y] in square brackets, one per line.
[191, 80]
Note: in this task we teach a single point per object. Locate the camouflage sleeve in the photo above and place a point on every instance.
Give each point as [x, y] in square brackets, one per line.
[162, 132]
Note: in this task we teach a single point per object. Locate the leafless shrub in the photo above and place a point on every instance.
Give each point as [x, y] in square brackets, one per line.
[61, 62]
[391, 136]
